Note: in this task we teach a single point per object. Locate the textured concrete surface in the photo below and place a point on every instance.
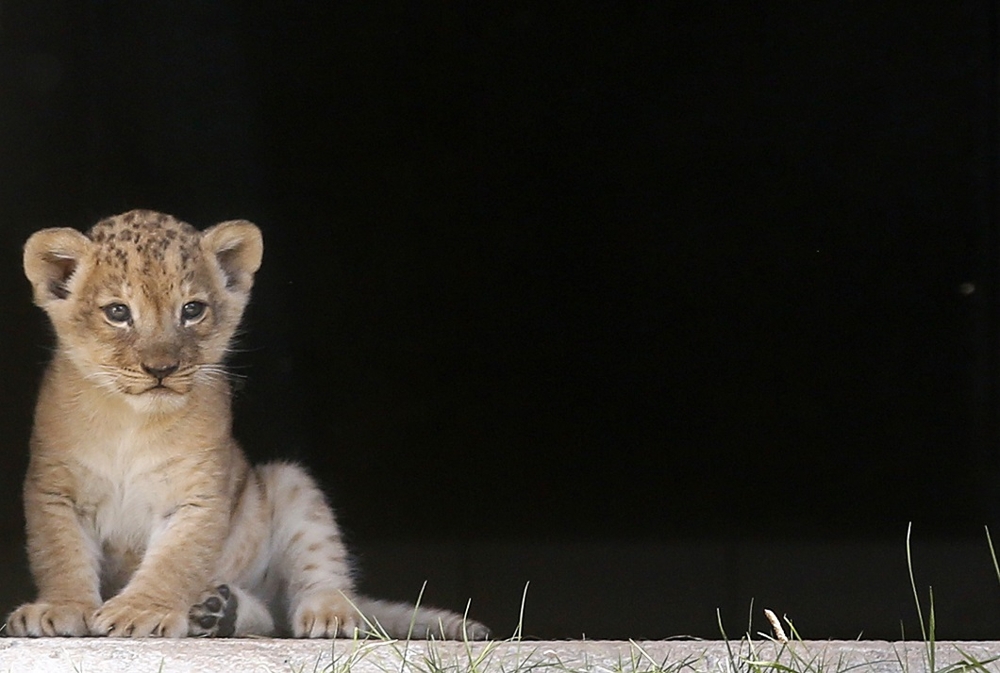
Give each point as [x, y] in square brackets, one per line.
[87, 655]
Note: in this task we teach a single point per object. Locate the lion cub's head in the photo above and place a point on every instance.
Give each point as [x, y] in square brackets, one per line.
[144, 305]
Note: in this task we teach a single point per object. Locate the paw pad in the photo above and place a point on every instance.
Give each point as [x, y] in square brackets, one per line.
[215, 615]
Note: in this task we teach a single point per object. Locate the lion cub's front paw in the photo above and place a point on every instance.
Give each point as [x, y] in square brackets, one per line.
[325, 614]
[50, 619]
[127, 617]
[214, 615]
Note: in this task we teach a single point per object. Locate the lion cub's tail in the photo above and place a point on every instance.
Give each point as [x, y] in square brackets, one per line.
[402, 620]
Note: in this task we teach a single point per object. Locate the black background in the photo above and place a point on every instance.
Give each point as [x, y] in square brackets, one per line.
[534, 272]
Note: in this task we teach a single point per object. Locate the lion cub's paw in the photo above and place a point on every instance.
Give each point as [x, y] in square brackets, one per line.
[214, 616]
[127, 617]
[50, 619]
[324, 614]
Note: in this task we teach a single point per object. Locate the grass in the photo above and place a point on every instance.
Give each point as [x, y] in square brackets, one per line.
[767, 653]
[798, 659]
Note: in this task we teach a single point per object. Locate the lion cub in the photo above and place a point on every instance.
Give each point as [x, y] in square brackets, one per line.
[143, 516]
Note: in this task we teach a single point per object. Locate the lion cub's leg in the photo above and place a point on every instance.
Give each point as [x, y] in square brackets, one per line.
[64, 562]
[309, 555]
[227, 610]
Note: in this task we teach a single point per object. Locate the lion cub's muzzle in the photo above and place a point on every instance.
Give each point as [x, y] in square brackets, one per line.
[160, 371]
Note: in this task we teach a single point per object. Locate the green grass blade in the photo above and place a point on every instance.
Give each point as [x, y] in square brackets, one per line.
[993, 553]
[913, 583]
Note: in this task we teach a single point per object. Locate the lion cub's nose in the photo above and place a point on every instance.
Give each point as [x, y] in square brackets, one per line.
[160, 371]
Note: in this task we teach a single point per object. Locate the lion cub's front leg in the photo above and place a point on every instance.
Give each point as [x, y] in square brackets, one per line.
[174, 570]
[64, 563]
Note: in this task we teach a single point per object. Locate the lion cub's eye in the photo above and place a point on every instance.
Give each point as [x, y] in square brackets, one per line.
[192, 311]
[118, 314]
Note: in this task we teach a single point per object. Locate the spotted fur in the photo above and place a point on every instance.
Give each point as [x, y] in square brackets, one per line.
[144, 517]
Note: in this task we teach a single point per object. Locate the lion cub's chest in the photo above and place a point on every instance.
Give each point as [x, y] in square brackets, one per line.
[126, 487]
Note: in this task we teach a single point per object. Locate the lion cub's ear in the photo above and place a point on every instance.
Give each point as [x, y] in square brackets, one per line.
[238, 248]
[51, 257]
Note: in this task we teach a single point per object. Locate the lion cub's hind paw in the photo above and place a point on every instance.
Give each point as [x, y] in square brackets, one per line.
[214, 616]
[326, 614]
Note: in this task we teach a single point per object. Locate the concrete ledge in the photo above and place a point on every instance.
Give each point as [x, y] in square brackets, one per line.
[86, 655]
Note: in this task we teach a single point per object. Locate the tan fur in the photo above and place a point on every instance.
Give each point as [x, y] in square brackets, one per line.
[143, 515]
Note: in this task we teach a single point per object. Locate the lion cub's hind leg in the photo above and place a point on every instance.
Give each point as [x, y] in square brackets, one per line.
[227, 610]
[214, 615]
[309, 555]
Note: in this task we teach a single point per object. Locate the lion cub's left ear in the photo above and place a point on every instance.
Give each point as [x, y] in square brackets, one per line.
[238, 248]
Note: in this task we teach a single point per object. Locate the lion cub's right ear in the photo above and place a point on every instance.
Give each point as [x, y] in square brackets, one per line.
[51, 257]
